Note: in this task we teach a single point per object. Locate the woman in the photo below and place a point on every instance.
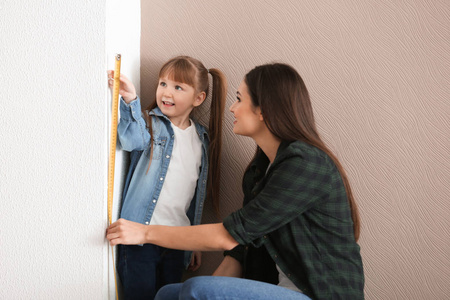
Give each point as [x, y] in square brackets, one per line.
[299, 224]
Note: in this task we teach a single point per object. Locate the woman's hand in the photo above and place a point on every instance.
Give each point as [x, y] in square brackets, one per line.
[196, 261]
[127, 89]
[126, 233]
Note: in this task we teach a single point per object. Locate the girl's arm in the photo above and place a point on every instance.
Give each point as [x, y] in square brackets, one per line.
[207, 237]
[132, 130]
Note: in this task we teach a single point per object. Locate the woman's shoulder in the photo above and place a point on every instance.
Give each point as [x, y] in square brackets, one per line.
[299, 148]
[304, 153]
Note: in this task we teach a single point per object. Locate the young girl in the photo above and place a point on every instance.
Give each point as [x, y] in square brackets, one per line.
[296, 236]
[175, 163]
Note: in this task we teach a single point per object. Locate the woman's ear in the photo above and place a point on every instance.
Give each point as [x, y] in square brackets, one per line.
[199, 98]
[259, 113]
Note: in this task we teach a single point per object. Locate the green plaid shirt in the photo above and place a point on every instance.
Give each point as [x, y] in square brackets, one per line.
[299, 211]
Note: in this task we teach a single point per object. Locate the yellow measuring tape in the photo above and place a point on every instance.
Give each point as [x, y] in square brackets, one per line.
[112, 151]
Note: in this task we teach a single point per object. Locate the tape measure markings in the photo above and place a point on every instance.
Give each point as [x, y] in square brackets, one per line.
[113, 139]
[112, 151]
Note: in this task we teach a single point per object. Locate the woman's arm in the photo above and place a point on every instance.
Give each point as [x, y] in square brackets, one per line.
[229, 267]
[207, 237]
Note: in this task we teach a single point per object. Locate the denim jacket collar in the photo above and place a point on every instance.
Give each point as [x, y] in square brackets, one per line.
[201, 130]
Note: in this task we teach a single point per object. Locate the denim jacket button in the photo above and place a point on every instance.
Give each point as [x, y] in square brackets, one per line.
[154, 200]
[161, 178]
[167, 156]
[146, 223]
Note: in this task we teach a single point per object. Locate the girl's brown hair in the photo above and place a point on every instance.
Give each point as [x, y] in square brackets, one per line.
[285, 105]
[191, 71]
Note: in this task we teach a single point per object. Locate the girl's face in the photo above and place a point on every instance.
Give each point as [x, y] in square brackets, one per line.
[248, 119]
[176, 100]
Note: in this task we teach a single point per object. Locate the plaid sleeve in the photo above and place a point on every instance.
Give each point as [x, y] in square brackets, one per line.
[237, 253]
[293, 186]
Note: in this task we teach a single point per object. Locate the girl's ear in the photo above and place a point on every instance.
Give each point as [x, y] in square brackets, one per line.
[199, 98]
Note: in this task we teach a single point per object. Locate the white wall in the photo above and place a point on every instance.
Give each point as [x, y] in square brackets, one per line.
[53, 150]
[123, 33]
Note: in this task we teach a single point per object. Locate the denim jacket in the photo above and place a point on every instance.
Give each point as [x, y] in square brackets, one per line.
[141, 192]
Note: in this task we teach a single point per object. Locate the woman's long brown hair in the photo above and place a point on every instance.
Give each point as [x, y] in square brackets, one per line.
[191, 71]
[285, 105]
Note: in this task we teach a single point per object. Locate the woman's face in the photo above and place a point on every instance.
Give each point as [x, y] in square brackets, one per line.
[248, 119]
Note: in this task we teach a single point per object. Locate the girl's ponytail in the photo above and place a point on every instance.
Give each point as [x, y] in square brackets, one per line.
[218, 98]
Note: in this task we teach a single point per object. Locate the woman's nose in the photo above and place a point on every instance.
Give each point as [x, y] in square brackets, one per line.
[231, 107]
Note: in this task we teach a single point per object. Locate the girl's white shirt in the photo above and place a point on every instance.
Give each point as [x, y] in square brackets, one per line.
[181, 179]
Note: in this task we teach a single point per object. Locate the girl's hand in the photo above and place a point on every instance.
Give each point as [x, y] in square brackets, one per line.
[126, 233]
[196, 261]
[127, 89]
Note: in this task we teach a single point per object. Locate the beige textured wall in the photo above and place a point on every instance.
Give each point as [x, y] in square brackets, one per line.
[379, 76]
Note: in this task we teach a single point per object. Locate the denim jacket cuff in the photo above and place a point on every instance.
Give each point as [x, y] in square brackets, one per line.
[130, 110]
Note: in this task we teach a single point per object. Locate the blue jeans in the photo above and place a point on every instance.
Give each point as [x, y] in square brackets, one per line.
[143, 270]
[226, 288]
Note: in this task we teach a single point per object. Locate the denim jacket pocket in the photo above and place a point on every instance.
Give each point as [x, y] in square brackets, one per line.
[158, 148]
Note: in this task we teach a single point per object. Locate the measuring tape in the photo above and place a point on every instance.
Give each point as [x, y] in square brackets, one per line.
[112, 151]
[113, 140]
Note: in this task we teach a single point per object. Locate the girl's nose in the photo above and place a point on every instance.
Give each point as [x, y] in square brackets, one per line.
[167, 93]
